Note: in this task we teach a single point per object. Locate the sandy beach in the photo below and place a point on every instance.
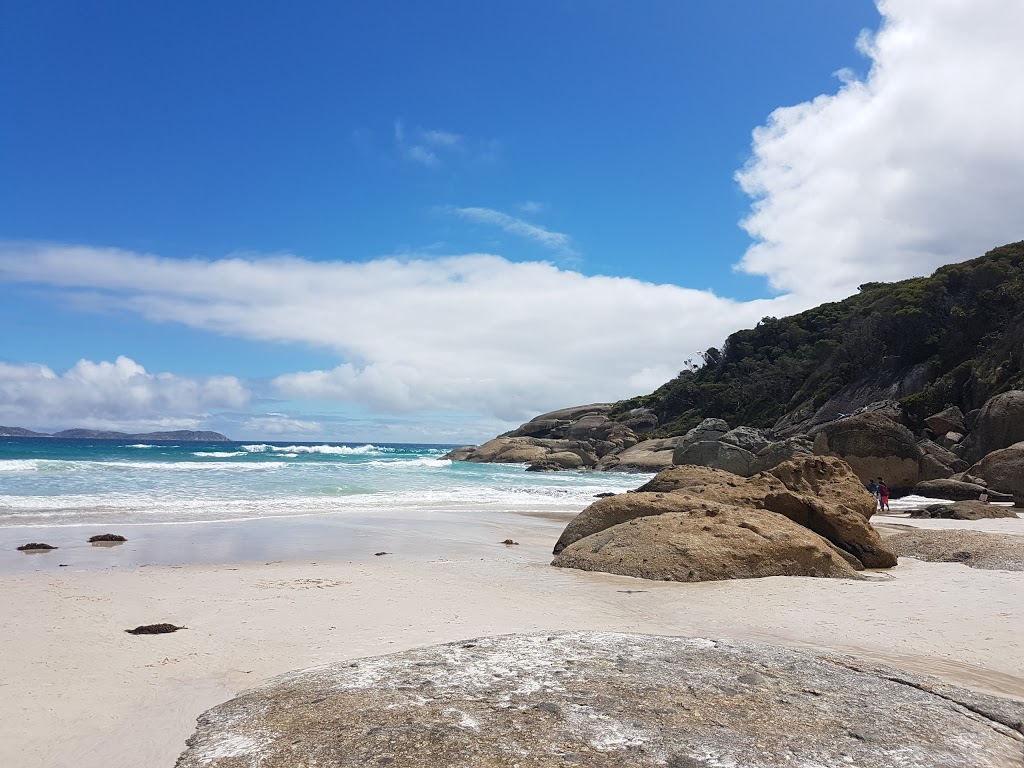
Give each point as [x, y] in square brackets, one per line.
[265, 597]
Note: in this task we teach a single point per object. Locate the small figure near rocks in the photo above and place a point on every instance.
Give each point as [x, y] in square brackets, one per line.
[153, 629]
[510, 543]
[983, 497]
[378, 554]
[34, 546]
[883, 496]
[106, 537]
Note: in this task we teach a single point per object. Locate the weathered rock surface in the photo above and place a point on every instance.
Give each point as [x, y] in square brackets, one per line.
[646, 456]
[964, 510]
[819, 493]
[717, 455]
[873, 446]
[576, 438]
[878, 392]
[783, 450]
[706, 541]
[947, 420]
[956, 490]
[606, 700]
[1003, 470]
[1000, 424]
[989, 551]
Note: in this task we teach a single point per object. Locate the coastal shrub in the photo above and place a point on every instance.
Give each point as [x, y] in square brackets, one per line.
[966, 322]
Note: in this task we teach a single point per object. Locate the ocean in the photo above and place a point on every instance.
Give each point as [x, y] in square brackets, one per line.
[51, 482]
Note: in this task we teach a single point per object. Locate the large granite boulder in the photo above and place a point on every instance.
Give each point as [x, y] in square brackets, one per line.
[874, 446]
[950, 419]
[717, 455]
[606, 700]
[938, 463]
[1000, 424]
[782, 450]
[1003, 470]
[747, 438]
[646, 456]
[956, 490]
[819, 493]
[706, 541]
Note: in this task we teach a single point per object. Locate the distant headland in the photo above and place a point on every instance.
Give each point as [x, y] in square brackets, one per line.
[97, 434]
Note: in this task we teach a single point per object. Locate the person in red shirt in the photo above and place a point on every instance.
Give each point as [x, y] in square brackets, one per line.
[883, 496]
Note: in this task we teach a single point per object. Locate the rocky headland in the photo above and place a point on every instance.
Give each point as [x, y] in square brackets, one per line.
[184, 435]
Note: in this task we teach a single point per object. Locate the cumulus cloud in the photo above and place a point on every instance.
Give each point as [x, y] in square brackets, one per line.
[472, 333]
[918, 164]
[117, 395]
[556, 241]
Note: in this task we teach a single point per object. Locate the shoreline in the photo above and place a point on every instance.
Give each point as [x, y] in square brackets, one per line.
[86, 694]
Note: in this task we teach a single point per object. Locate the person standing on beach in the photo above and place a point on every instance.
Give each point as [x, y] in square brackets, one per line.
[873, 490]
[883, 496]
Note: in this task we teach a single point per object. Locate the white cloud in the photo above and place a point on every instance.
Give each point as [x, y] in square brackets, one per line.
[281, 424]
[918, 164]
[556, 241]
[118, 395]
[433, 147]
[474, 333]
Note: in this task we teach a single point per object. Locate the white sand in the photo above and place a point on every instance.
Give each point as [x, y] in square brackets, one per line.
[78, 691]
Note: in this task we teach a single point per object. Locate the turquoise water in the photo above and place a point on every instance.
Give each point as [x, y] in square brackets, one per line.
[45, 482]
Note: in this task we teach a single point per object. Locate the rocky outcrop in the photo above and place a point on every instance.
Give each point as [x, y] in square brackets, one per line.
[1003, 470]
[877, 392]
[819, 493]
[646, 456]
[594, 699]
[963, 510]
[1000, 424]
[956, 490]
[706, 541]
[574, 438]
[717, 455]
[568, 454]
[873, 446]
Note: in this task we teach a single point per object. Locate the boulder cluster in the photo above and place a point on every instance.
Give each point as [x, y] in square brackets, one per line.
[805, 517]
[982, 450]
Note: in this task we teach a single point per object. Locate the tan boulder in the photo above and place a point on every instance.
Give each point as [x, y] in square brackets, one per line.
[705, 541]
[1003, 470]
[820, 493]
[874, 446]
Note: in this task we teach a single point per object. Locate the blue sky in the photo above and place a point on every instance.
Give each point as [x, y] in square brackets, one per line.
[409, 221]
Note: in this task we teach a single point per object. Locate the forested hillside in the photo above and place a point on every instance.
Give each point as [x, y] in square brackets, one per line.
[961, 332]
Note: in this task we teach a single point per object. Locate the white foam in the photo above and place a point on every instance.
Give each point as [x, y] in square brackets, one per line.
[220, 454]
[19, 465]
[333, 450]
[140, 445]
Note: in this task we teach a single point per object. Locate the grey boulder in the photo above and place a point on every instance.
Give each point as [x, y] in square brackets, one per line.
[606, 699]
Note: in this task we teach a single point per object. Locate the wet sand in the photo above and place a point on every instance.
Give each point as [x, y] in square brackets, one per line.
[81, 692]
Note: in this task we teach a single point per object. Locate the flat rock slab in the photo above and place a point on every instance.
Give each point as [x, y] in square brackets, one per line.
[978, 549]
[606, 699]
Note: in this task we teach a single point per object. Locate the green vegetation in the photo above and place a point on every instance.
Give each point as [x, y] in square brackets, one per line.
[966, 322]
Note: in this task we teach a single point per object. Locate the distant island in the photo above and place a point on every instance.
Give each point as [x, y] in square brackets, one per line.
[96, 434]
